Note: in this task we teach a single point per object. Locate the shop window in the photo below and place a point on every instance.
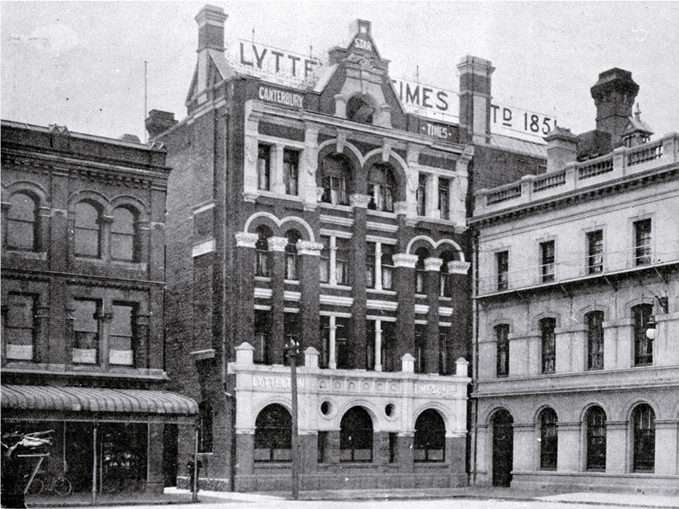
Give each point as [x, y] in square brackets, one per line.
[205, 427]
[335, 179]
[643, 422]
[262, 251]
[87, 230]
[549, 439]
[595, 252]
[273, 435]
[642, 242]
[19, 326]
[444, 198]
[291, 171]
[261, 341]
[22, 223]
[547, 326]
[124, 235]
[86, 316]
[342, 250]
[547, 261]
[264, 167]
[595, 421]
[121, 338]
[643, 347]
[430, 437]
[420, 347]
[381, 188]
[502, 269]
[502, 337]
[356, 436]
[291, 258]
[421, 195]
[595, 339]
[420, 273]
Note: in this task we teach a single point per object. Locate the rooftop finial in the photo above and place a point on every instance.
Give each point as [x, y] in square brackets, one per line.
[637, 113]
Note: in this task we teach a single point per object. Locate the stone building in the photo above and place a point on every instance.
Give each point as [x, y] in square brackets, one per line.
[576, 307]
[82, 305]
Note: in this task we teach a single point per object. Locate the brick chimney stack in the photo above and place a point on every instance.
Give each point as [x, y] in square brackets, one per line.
[614, 96]
[210, 21]
[475, 98]
[562, 148]
[158, 122]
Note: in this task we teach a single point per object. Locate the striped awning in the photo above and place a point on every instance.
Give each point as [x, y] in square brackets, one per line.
[80, 399]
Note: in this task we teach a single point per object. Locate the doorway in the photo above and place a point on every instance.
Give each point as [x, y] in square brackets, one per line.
[503, 448]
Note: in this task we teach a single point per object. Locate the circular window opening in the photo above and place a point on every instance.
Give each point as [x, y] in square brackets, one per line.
[389, 409]
[326, 407]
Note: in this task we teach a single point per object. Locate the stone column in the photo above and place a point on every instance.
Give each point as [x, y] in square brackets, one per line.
[524, 448]
[616, 446]
[666, 447]
[277, 315]
[432, 266]
[404, 284]
[484, 453]
[378, 346]
[405, 445]
[277, 184]
[432, 194]
[245, 302]
[308, 167]
[309, 253]
[155, 480]
[568, 447]
[460, 330]
[359, 204]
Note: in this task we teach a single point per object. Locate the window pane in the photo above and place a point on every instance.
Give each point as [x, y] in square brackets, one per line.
[502, 260]
[86, 328]
[324, 264]
[123, 235]
[595, 340]
[547, 326]
[342, 261]
[263, 167]
[644, 439]
[370, 276]
[22, 222]
[548, 440]
[444, 198]
[643, 347]
[547, 252]
[642, 245]
[595, 251]
[290, 171]
[121, 341]
[421, 195]
[502, 335]
[87, 235]
[20, 327]
[596, 439]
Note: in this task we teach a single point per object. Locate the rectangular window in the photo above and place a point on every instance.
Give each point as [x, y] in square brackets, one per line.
[643, 347]
[343, 354]
[642, 242]
[388, 351]
[335, 190]
[370, 330]
[291, 171]
[502, 261]
[422, 195]
[547, 261]
[444, 366]
[290, 332]
[420, 348]
[502, 336]
[370, 265]
[595, 252]
[86, 329]
[121, 339]
[324, 357]
[324, 263]
[595, 340]
[342, 250]
[547, 326]
[19, 329]
[261, 342]
[444, 198]
[264, 167]
[387, 266]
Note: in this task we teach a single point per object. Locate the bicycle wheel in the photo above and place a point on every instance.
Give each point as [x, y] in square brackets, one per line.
[62, 486]
[35, 488]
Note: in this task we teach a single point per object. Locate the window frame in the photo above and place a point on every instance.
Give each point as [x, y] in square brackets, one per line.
[421, 195]
[349, 437]
[78, 239]
[264, 151]
[548, 261]
[502, 270]
[595, 252]
[291, 171]
[595, 340]
[12, 222]
[549, 439]
[643, 439]
[502, 350]
[643, 248]
[134, 235]
[595, 439]
[270, 435]
[548, 345]
[444, 198]
[643, 347]
[433, 430]
[12, 354]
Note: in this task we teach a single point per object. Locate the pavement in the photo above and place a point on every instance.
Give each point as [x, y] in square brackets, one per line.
[174, 496]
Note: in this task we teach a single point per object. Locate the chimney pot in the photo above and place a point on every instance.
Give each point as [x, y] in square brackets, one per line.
[158, 122]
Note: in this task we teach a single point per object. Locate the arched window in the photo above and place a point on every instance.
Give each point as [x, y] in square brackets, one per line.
[356, 436]
[643, 422]
[291, 254]
[422, 253]
[643, 347]
[595, 339]
[359, 109]
[22, 223]
[502, 336]
[335, 180]
[595, 421]
[381, 188]
[262, 251]
[549, 439]
[430, 437]
[124, 235]
[87, 230]
[547, 326]
[273, 434]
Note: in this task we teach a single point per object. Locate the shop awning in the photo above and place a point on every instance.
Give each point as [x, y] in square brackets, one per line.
[80, 399]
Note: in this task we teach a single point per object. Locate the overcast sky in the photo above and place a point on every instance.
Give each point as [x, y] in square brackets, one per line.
[81, 64]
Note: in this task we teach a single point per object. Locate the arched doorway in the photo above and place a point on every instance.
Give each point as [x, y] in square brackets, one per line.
[503, 448]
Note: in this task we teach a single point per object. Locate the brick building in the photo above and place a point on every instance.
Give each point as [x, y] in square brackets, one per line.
[82, 305]
[576, 310]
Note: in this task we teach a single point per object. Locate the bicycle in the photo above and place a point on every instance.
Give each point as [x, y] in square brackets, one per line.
[52, 483]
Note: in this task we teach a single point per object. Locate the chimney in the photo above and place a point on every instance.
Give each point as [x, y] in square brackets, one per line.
[158, 122]
[210, 21]
[562, 148]
[475, 99]
[614, 96]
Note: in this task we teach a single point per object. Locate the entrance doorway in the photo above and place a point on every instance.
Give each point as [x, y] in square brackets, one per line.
[503, 448]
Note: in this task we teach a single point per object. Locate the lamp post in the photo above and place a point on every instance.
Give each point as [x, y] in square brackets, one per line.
[292, 348]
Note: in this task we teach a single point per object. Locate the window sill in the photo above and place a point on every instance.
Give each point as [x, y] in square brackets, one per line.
[331, 206]
[335, 286]
[381, 213]
[382, 292]
[27, 255]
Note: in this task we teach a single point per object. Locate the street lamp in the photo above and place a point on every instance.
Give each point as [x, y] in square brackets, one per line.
[292, 349]
[651, 330]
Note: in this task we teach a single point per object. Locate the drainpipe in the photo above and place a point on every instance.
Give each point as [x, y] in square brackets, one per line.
[475, 353]
[94, 465]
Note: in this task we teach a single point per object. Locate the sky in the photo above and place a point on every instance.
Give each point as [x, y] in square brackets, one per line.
[81, 64]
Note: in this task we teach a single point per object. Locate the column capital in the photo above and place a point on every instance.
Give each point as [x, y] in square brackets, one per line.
[405, 260]
[458, 267]
[245, 239]
[359, 201]
[277, 243]
[433, 264]
[307, 247]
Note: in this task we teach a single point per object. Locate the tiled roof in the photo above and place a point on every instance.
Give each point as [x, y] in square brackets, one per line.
[517, 145]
